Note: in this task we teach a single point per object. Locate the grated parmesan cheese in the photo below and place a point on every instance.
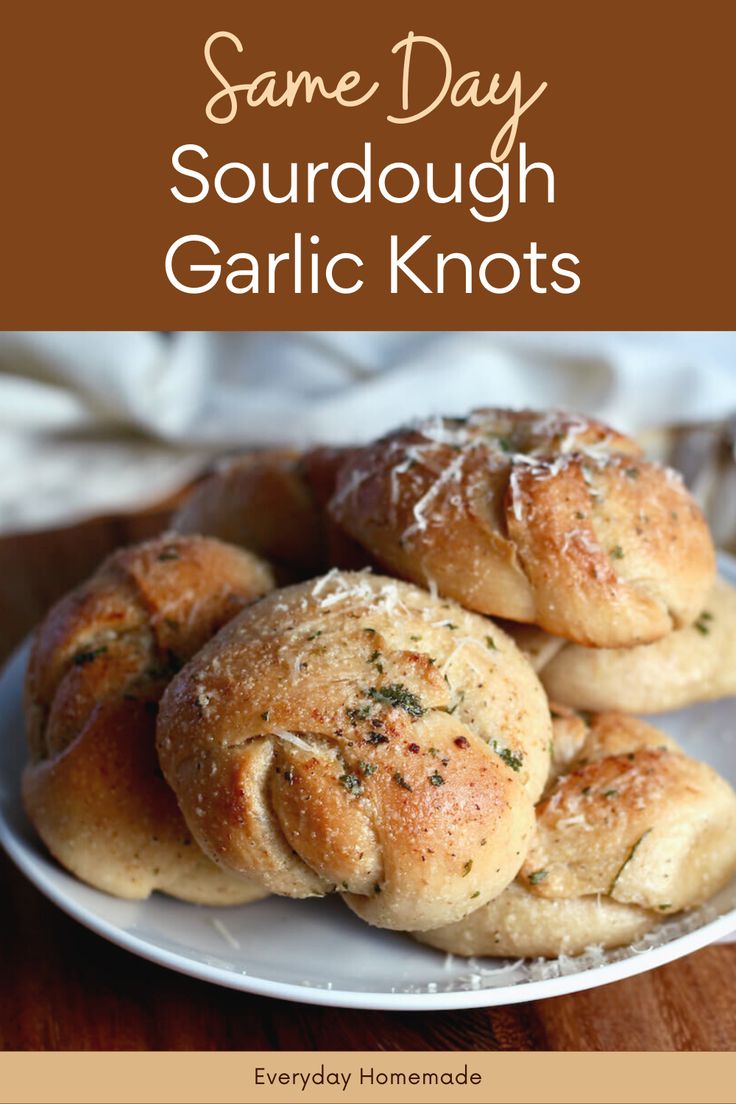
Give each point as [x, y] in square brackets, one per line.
[461, 643]
[298, 742]
[452, 472]
[225, 932]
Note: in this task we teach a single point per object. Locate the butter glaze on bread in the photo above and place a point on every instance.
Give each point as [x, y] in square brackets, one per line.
[630, 831]
[549, 519]
[356, 733]
[692, 664]
[99, 664]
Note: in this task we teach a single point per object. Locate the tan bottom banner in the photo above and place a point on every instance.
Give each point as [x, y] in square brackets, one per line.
[226, 1078]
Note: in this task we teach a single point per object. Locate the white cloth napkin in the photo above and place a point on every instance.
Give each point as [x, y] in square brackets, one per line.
[95, 422]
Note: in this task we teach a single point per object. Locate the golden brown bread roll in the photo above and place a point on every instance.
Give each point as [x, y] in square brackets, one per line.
[99, 664]
[630, 793]
[356, 733]
[548, 518]
[692, 664]
[630, 831]
[273, 502]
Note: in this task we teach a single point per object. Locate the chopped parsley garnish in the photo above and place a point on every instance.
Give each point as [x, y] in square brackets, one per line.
[315, 635]
[351, 782]
[467, 867]
[703, 622]
[617, 552]
[538, 876]
[87, 657]
[610, 793]
[375, 657]
[367, 768]
[398, 695]
[376, 738]
[474, 895]
[401, 781]
[358, 714]
[491, 643]
[458, 700]
[626, 862]
[508, 756]
[436, 779]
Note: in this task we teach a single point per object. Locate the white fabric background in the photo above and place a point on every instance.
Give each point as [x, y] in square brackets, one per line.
[102, 421]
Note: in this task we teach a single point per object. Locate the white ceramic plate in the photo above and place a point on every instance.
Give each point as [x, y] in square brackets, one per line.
[317, 951]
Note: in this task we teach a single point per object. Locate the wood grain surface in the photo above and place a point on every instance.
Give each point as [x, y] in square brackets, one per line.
[63, 988]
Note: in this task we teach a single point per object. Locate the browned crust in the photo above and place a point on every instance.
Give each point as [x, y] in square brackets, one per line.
[99, 664]
[630, 831]
[273, 502]
[631, 818]
[336, 735]
[549, 519]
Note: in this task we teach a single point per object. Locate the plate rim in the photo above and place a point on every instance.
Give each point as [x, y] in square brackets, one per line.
[32, 867]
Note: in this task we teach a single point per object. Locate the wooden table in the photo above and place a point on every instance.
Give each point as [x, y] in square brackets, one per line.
[63, 988]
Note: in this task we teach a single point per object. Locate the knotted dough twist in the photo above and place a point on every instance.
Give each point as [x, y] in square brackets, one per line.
[99, 664]
[547, 518]
[356, 733]
[692, 664]
[273, 502]
[631, 830]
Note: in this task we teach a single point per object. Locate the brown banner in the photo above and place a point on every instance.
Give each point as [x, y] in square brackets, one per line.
[625, 109]
[368, 1078]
